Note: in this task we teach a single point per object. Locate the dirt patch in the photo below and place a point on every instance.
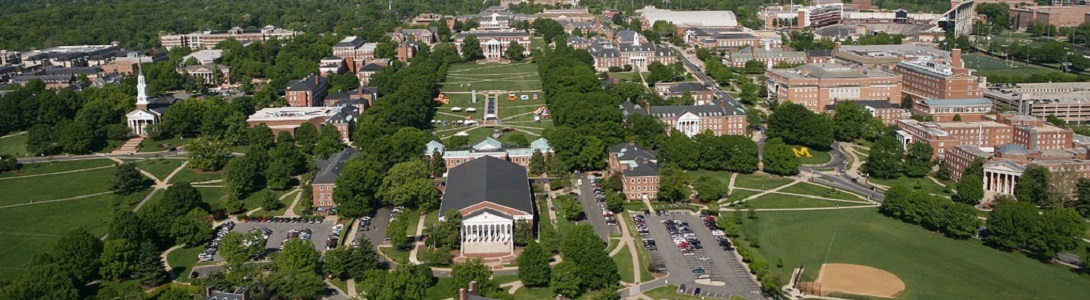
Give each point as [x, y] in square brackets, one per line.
[859, 280]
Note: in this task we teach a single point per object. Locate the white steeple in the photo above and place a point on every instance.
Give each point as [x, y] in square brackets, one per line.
[635, 39]
[141, 89]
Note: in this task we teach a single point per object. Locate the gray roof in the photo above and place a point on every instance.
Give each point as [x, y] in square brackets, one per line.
[1013, 149]
[330, 169]
[487, 179]
[630, 151]
[877, 104]
[957, 102]
[160, 105]
[308, 83]
[688, 87]
[643, 168]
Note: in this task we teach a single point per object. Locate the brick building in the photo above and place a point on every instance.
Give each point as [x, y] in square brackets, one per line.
[207, 39]
[495, 42]
[767, 56]
[306, 92]
[325, 181]
[639, 170]
[816, 86]
[287, 119]
[1059, 16]
[632, 50]
[354, 51]
[488, 147]
[722, 117]
[888, 112]
[946, 135]
[945, 110]
[928, 79]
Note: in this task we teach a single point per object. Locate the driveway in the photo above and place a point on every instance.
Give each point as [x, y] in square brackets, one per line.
[377, 231]
[722, 266]
[593, 209]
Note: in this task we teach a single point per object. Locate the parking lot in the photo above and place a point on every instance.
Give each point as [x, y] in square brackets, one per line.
[376, 230]
[694, 253]
[278, 232]
[592, 207]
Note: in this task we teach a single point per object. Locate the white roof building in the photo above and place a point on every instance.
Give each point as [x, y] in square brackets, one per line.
[703, 18]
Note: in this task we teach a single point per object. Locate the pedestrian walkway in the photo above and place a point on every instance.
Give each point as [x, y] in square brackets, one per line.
[131, 146]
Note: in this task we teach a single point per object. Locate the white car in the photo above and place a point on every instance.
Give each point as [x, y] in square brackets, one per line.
[705, 258]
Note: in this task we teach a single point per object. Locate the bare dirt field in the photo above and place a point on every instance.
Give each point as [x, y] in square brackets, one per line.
[859, 280]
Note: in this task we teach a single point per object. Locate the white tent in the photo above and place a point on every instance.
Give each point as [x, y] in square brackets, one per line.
[471, 109]
[455, 108]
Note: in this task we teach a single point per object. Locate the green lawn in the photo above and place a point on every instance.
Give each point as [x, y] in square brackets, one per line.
[623, 260]
[788, 201]
[931, 265]
[253, 200]
[396, 255]
[160, 168]
[543, 212]
[805, 188]
[413, 217]
[29, 230]
[182, 260]
[60, 166]
[213, 196]
[340, 284]
[627, 76]
[441, 290]
[514, 77]
[193, 175]
[51, 187]
[989, 66]
[760, 181]
[924, 184]
[14, 145]
[816, 157]
[148, 145]
[741, 194]
[285, 202]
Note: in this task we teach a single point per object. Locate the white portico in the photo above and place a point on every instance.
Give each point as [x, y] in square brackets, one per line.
[491, 194]
[148, 111]
[1000, 177]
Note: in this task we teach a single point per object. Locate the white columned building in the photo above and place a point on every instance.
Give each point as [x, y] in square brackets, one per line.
[138, 119]
[491, 194]
[1001, 177]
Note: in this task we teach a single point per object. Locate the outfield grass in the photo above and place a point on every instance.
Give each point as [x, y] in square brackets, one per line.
[160, 168]
[29, 230]
[931, 265]
[60, 166]
[760, 181]
[924, 184]
[774, 200]
[14, 144]
[989, 66]
[59, 186]
[805, 188]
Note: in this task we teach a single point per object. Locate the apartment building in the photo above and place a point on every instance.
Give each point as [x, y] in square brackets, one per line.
[929, 79]
[639, 170]
[208, 39]
[816, 86]
[306, 92]
[724, 116]
[287, 119]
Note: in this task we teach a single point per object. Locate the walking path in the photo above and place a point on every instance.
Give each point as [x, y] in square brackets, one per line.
[159, 184]
[626, 240]
[418, 242]
[166, 253]
[797, 180]
[290, 213]
[514, 285]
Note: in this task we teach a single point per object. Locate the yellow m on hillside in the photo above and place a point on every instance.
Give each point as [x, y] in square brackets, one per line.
[802, 151]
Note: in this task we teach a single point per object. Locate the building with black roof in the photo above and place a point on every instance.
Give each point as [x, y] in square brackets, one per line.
[306, 92]
[723, 116]
[490, 194]
[639, 168]
[325, 180]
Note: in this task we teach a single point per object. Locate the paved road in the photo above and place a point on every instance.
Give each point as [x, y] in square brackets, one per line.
[593, 209]
[31, 160]
[839, 178]
[723, 265]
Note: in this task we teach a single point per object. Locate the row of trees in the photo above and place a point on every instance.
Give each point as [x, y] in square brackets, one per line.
[706, 151]
[957, 220]
[586, 268]
[797, 125]
[888, 160]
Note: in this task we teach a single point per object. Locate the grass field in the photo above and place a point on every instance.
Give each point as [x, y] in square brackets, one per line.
[931, 265]
[514, 77]
[988, 66]
[741, 194]
[59, 186]
[788, 201]
[160, 168]
[760, 181]
[182, 260]
[60, 166]
[623, 260]
[14, 144]
[149, 145]
[29, 230]
[820, 191]
[441, 289]
[192, 175]
[924, 184]
[816, 157]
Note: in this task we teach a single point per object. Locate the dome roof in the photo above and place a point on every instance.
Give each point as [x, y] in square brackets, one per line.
[1013, 149]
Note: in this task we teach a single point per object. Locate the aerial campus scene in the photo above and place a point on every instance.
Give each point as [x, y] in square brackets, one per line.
[544, 149]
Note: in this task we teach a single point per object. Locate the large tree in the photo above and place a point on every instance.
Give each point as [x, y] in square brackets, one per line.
[1060, 229]
[514, 51]
[1082, 196]
[1033, 185]
[119, 258]
[297, 255]
[409, 184]
[473, 269]
[681, 150]
[208, 155]
[672, 183]
[235, 248]
[329, 142]
[566, 280]
[246, 174]
[797, 125]
[307, 137]
[471, 48]
[970, 190]
[779, 158]
[885, 158]
[851, 121]
[918, 160]
[709, 189]
[128, 180]
[78, 252]
[537, 164]
[583, 247]
[1012, 225]
[534, 265]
